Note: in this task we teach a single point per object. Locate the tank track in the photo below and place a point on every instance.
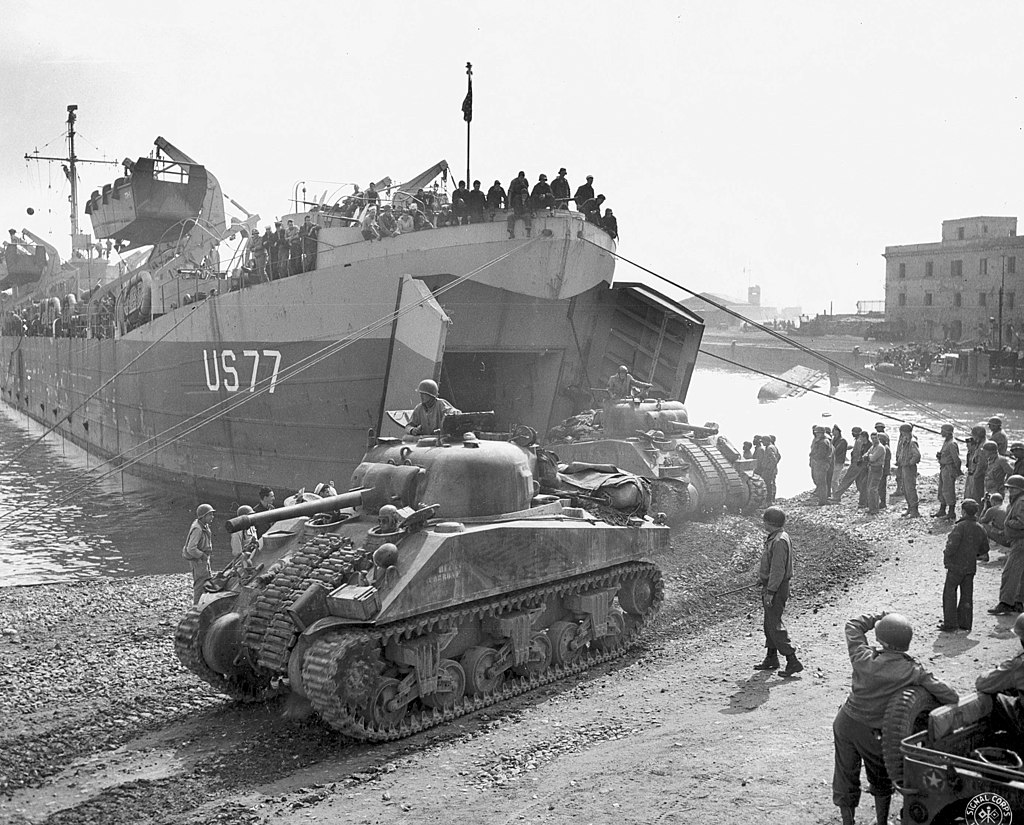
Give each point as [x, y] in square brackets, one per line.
[340, 669]
[724, 485]
[188, 645]
[268, 633]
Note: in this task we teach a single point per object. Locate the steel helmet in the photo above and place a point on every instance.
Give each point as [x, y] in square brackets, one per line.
[623, 368]
[428, 386]
[244, 510]
[206, 509]
[1015, 482]
[895, 631]
[1018, 626]
[386, 555]
[995, 422]
[774, 516]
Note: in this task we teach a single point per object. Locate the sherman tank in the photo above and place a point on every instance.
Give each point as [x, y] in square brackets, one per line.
[442, 583]
[693, 470]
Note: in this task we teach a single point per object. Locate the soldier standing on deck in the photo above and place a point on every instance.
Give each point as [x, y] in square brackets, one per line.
[1011, 585]
[198, 549]
[774, 576]
[949, 470]
[908, 462]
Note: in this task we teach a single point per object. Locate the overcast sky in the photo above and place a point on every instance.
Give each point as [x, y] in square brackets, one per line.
[780, 144]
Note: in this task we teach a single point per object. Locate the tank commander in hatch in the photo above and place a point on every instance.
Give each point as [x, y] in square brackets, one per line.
[622, 384]
[426, 418]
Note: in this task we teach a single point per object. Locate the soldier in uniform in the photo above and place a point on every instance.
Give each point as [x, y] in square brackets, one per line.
[996, 426]
[622, 384]
[426, 417]
[309, 232]
[821, 459]
[1017, 454]
[584, 193]
[1005, 684]
[949, 469]
[875, 459]
[774, 576]
[560, 189]
[878, 675]
[907, 468]
[770, 467]
[974, 486]
[198, 549]
[1011, 585]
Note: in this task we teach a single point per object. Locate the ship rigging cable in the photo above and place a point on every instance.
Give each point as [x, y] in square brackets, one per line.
[776, 334]
[212, 413]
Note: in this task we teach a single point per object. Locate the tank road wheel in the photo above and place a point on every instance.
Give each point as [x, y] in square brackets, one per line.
[617, 629]
[562, 635]
[377, 713]
[476, 662]
[540, 657]
[636, 595]
[448, 697]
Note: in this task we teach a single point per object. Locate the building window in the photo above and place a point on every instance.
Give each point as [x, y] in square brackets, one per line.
[1009, 300]
[959, 233]
[903, 299]
[1011, 264]
[903, 270]
[958, 300]
[983, 299]
[928, 267]
[956, 269]
[983, 266]
[927, 299]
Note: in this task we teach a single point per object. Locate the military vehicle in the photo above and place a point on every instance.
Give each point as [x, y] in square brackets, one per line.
[693, 470]
[441, 584]
[954, 763]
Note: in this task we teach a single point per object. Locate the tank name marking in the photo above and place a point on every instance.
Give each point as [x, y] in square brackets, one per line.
[220, 369]
[446, 572]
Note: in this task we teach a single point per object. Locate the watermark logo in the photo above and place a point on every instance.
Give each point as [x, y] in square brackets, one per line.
[988, 809]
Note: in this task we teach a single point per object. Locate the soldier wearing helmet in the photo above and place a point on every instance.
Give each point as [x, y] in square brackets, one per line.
[949, 470]
[1017, 455]
[426, 417]
[966, 543]
[244, 542]
[878, 675]
[198, 549]
[774, 576]
[624, 385]
[1011, 584]
[1000, 682]
[974, 485]
[996, 426]
[908, 456]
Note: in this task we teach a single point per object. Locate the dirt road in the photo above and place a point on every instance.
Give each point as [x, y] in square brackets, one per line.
[101, 725]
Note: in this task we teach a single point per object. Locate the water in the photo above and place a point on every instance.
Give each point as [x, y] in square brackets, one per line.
[125, 527]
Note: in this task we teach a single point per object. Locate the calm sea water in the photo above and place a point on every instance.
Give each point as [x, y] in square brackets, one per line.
[124, 527]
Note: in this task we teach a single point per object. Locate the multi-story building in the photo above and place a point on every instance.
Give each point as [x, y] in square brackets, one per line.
[951, 289]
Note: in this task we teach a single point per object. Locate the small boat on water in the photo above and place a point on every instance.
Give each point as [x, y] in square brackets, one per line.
[978, 377]
[792, 383]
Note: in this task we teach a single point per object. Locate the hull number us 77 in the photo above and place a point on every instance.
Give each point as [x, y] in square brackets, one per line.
[232, 372]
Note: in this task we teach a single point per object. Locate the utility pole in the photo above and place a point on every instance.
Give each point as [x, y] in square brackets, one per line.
[1002, 284]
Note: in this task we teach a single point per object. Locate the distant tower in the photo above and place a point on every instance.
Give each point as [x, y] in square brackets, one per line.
[754, 295]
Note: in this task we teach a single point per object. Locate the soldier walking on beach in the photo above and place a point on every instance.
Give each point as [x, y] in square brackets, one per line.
[878, 675]
[774, 576]
[949, 470]
[907, 467]
[1011, 585]
[198, 549]
[858, 465]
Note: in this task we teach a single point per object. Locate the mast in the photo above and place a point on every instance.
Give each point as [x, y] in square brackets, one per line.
[70, 168]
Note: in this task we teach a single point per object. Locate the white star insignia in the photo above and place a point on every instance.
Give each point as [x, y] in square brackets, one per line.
[933, 780]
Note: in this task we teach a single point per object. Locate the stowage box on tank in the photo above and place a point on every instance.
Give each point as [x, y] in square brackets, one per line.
[392, 621]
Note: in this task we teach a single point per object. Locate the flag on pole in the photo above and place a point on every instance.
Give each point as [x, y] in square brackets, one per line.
[467, 104]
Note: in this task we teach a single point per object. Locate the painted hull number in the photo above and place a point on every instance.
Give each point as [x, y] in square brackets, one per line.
[226, 369]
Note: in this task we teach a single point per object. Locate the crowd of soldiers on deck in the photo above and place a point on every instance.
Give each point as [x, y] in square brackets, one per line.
[910, 357]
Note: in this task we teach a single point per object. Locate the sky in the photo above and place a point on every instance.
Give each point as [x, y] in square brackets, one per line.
[780, 144]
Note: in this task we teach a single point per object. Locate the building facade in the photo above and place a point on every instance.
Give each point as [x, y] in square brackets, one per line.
[950, 290]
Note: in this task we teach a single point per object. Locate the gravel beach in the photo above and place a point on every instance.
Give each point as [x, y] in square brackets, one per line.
[101, 724]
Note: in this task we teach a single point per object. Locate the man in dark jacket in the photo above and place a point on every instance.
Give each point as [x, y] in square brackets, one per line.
[460, 207]
[1017, 456]
[476, 202]
[878, 675]
[966, 543]
[591, 210]
[560, 189]
[610, 224]
[1011, 584]
[1005, 684]
[496, 198]
[774, 576]
[584, 193]
[541, 196]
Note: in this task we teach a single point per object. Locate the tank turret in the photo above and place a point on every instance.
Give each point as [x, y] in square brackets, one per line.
[445, 585]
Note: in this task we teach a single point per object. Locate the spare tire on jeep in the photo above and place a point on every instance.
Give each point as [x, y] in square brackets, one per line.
[905, 715]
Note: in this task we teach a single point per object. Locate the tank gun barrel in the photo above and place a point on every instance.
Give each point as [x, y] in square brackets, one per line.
[691, 429]
[353, 498]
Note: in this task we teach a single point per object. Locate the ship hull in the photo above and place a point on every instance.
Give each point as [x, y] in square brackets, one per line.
[279, 383]
[990, 398]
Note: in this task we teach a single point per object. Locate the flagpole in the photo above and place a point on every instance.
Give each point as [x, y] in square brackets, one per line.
[467, 113]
